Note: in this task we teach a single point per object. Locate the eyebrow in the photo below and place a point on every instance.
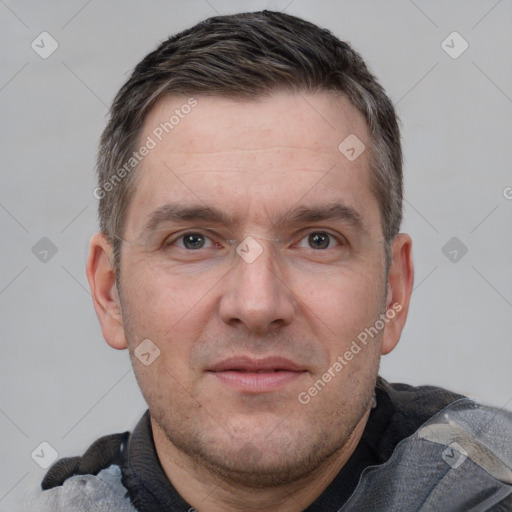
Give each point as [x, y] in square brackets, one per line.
[176, 212]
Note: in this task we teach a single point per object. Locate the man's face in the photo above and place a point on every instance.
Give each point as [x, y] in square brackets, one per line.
[242, 334]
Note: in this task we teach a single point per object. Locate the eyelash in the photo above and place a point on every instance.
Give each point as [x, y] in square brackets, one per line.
[170, 242]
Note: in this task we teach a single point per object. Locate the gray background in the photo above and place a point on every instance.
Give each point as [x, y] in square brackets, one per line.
[61, 383]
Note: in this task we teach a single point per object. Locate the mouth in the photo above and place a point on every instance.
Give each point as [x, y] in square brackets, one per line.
[251, 375]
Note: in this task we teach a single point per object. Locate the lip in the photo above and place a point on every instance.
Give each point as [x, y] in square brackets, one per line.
[257, 375]
[249, 364]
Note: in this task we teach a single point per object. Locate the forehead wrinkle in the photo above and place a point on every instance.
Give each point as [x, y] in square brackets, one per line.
[275, 158]
[249, 170]
[253, 150]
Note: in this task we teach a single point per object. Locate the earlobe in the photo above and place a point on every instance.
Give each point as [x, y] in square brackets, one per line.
[102, 281]
[400, 283]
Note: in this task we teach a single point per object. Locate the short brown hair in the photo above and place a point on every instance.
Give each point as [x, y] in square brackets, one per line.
[245, 56]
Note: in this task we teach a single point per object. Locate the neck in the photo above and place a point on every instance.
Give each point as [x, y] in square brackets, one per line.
[206, 491]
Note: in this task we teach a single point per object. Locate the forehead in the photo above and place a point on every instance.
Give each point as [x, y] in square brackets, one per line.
[259, 155]
[318, 121]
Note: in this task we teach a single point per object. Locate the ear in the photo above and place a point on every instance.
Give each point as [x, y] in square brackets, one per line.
[102, 281]
[400, 283]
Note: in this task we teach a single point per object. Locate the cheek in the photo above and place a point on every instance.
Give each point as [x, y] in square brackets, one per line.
[171, 315]
[159, 303]
[169, 312]
[343, 302]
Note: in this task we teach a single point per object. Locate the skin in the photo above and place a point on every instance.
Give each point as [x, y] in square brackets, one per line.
[224, 449]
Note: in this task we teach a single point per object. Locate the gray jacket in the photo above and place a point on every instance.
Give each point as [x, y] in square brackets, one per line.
[458, 461]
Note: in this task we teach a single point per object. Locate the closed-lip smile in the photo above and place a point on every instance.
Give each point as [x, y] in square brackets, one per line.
[252, 375]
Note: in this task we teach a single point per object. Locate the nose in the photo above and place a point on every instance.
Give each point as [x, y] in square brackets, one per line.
[257, 294]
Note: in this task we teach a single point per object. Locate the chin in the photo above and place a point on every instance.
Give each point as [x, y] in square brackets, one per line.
[262, 466]
[270, 457]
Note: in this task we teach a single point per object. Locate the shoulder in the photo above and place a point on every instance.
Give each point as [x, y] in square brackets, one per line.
[447, 419]
[469, 430]
[457, 455]
[103, 492]
[105, 451]
[88, 482]
[433, 409]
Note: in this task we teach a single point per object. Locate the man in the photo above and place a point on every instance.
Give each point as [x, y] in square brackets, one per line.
[250, 259]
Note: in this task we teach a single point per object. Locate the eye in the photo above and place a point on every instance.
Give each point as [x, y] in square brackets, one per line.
[191, 241]
[321, 240]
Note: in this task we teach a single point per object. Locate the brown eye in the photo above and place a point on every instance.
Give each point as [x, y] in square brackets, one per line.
[319, 240]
